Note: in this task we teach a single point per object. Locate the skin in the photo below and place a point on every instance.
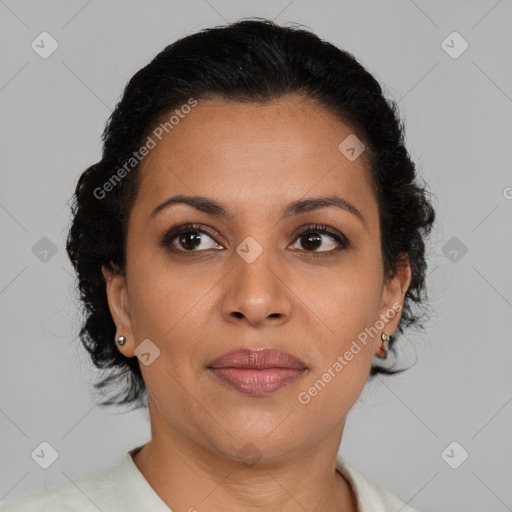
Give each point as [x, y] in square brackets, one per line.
[311, 303]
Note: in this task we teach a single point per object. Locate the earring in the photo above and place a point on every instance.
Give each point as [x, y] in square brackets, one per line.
[385, 340]
[121, 340]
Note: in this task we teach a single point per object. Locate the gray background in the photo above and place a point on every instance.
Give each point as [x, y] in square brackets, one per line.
[457, 113]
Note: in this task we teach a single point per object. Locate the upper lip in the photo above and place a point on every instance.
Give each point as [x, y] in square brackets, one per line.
[257, 359]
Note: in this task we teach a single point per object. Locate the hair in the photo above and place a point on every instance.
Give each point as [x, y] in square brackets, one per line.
[251, 60]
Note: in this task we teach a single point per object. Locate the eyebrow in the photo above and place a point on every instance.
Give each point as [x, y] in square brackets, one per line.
[211, 207]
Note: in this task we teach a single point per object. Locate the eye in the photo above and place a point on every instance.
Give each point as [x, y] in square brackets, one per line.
[190, 238]
[311, 238]
[193, 238]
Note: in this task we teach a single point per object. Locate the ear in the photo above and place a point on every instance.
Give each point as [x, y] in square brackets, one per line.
[117, 295]
[392, 300]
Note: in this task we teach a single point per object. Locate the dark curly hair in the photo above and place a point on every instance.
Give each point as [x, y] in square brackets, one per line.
[252, 60]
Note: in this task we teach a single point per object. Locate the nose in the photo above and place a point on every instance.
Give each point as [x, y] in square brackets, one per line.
[256, 291]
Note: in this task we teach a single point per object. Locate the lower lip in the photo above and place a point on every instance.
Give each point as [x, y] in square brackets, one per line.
[257, 382]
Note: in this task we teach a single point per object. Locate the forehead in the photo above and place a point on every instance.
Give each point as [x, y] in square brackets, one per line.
[283, 149]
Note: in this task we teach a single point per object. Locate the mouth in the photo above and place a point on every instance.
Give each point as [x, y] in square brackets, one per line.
[257, 372]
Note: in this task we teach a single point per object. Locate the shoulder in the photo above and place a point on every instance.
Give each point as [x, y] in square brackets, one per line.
[371, 496]
[87, 494]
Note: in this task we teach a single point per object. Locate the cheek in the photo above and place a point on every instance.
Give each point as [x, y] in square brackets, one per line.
[342, 303]
[162, 294]
[343, 349]
[331, 392]
[165, 311]
[345, 310]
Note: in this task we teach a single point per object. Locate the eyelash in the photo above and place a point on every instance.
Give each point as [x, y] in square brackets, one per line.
[314, 228]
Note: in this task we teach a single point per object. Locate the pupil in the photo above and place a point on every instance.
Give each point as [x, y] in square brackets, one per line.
[189, 238]
[312, 238]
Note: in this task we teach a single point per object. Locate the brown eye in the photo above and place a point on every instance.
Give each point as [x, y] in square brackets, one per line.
[312, 238]
[190, 238]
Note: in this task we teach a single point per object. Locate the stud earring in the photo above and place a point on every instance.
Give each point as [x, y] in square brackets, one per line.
[121, 340]
[384, 345]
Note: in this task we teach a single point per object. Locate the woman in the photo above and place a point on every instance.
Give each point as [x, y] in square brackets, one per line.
[247, 247]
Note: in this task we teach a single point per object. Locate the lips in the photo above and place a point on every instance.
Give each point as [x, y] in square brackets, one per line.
[257, 372]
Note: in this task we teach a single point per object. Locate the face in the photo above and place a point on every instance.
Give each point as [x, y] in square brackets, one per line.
[306, 281]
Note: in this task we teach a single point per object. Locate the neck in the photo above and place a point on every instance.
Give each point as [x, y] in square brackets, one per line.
[191, 477]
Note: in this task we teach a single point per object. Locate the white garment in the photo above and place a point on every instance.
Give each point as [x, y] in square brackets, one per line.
[122, 488]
